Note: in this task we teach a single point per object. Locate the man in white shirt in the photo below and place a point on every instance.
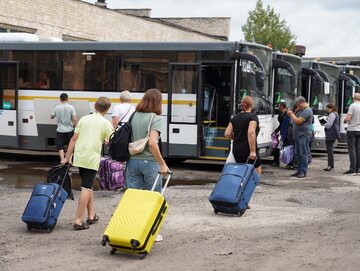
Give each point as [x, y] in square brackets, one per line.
[122, 111]
[353, 135]
[66, 121]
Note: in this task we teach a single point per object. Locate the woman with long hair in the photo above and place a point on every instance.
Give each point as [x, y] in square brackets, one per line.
[243, 129]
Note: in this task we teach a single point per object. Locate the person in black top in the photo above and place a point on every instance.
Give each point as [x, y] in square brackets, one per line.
[243, 129]
[281, 117]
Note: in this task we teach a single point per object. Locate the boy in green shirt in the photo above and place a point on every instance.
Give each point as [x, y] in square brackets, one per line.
[89, 135]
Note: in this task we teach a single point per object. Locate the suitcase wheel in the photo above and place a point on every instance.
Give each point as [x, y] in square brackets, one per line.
[29, 227]
[112, 252]
[241, 212]
[216, 211]
[103, 242]
[142, 255]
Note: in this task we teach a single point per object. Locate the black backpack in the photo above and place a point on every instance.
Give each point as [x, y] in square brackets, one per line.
[119, 141]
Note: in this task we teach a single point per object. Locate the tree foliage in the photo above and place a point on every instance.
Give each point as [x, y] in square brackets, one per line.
[264, 26]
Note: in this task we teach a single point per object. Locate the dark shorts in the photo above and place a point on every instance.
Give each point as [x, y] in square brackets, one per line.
[63, 139]
[242, 158]
[87, 177]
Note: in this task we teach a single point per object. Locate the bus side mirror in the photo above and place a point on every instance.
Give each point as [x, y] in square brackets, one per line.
[259, 77]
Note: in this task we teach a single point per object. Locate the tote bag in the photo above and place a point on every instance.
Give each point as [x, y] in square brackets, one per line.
[139, 145]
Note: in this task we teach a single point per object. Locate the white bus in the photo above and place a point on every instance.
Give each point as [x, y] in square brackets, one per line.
[319, 87]
[201, 83]
[349, 84]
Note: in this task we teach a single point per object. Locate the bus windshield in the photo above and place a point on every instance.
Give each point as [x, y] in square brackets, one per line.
[348, 95]
[249, 81]
[320, 97]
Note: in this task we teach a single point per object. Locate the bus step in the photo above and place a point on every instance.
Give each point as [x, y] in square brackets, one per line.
[209, 121]
[216, 151]
[213, 131]
[217, 142]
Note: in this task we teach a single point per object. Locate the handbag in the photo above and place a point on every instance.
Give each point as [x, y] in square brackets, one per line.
[139, 145]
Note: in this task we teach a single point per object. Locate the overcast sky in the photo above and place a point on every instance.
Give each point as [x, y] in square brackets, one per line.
[325, 27]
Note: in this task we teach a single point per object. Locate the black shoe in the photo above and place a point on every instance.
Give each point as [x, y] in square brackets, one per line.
[274, 164]
[350, 172]
[301, 176]
[329, 168]
[295, 174]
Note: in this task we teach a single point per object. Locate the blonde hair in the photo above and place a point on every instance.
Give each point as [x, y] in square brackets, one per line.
[247, 102]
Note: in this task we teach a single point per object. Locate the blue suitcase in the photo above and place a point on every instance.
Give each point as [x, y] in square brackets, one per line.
[44, 206]
[234, 189]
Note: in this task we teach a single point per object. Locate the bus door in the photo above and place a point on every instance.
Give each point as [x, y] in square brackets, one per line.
[8, 104]
[183, 129]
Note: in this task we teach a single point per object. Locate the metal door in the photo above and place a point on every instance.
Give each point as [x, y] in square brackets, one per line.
[8, 104]
[183, 128]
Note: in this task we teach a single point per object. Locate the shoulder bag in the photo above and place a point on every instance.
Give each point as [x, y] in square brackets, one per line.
[139, 145]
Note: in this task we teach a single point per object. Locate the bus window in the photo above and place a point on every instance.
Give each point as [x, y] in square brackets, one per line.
[141, 74]
[26, 68]
[73, 71]
[89, 71]
[47, 70]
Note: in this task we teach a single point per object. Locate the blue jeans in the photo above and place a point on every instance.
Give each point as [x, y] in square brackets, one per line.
[302, 151]
[141, 174]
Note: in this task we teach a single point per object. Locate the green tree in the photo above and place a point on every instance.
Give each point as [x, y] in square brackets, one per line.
[264, 26]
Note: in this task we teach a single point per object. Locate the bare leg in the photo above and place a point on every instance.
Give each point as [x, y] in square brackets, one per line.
[85, 195]
[259, 170]
[61, 154]
[90, 206]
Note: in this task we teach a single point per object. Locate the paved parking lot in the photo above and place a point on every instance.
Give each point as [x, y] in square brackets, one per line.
[307, 224]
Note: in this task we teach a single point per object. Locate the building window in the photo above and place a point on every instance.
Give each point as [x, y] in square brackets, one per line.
[14, 28]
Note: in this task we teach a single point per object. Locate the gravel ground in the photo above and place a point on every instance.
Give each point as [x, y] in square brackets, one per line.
[293, 224]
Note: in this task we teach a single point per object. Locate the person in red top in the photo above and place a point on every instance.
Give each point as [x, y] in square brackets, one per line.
[43, 82]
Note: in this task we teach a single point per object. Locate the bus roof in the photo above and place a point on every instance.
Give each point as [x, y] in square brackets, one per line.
[128, 46]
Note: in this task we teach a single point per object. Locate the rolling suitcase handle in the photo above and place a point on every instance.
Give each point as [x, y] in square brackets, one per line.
[68, 165]
[169, 175]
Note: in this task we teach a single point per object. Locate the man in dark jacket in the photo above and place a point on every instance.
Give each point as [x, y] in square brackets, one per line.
[281, 117]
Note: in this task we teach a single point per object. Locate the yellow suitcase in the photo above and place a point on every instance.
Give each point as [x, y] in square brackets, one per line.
[137, 220]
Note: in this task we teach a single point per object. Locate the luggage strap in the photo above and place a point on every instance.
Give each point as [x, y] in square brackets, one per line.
[169, 175]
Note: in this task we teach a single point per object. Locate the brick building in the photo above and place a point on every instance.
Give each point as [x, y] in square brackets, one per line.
[78, 20]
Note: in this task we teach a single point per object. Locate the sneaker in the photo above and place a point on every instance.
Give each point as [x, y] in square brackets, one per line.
[295, 174]
[158, 238]
[274, 164]
[350, 173]
[301, 176]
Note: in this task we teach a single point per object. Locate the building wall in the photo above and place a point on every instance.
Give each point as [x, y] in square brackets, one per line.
[79, 19]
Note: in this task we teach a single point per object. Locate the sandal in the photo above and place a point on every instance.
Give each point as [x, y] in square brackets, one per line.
[92, 221]
[78, 227]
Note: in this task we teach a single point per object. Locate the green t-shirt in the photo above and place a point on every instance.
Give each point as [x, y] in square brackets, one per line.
[139, 125]
[64, 114]
[92, 130]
